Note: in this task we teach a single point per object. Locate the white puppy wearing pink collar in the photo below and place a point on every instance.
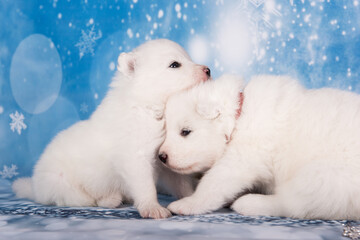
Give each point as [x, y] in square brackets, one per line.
[296, 151]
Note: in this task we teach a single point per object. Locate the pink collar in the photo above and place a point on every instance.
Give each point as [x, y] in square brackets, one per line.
[241, 101]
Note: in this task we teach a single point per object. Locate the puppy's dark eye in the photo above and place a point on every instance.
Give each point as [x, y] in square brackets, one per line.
[175, 65]
[184, 132]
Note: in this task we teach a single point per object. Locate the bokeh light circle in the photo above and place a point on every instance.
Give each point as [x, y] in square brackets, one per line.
[36, 74]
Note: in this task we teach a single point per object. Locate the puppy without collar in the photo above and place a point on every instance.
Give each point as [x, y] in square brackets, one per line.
[111, 157]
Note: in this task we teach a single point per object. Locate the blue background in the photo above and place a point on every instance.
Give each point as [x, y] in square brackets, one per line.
[57, 57]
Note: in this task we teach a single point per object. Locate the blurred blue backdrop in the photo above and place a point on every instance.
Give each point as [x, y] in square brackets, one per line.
[57, 57]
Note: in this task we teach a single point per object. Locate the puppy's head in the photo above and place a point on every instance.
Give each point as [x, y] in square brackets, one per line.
[160, 68]
[199, 123]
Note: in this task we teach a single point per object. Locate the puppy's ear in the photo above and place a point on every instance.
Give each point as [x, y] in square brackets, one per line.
[157, 111]
[127, 63]
[212, 111]
[208, 110]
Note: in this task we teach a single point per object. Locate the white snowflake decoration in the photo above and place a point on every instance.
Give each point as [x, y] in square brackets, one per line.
[9, 172]
[87, 41]
[17, 122]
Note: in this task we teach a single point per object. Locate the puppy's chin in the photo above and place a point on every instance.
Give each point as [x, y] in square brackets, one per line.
[190, 169]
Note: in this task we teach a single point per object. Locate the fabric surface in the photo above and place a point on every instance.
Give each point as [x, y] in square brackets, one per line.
[23, 219]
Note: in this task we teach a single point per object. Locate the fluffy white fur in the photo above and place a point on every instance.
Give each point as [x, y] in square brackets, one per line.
[111, 157]
[297, 151]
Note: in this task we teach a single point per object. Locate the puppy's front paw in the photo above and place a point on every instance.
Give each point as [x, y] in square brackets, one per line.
[185, 206]
[155, 212]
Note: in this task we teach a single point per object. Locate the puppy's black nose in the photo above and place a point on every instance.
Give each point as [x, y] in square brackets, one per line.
[207, 71]
[163, 157]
